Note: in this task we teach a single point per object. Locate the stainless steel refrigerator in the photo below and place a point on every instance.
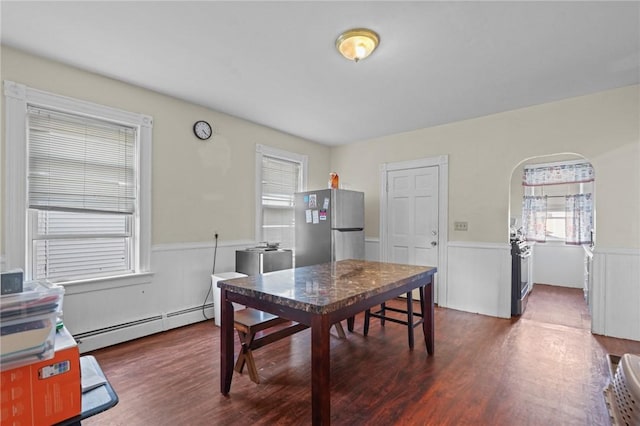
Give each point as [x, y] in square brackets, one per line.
[329, 226]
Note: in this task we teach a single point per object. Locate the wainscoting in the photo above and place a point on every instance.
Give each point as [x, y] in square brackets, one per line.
[556, 263]
[177, 292]
[479, 281]
[103, 314]
[479, 278]
[615, 293]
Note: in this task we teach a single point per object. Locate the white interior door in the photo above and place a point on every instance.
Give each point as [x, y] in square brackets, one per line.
[412, 209]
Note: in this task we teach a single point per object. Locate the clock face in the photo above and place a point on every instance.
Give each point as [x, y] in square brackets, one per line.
[202, 129]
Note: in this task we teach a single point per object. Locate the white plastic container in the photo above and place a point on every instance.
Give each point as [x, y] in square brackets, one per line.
[216, 292]
[622, 395]
[27, 340]
[28, 323]
[37, 297]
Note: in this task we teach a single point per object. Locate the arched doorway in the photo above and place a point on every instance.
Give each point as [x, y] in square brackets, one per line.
[556, 260]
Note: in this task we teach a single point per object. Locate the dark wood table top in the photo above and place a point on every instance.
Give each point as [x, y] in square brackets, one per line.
[327, 287]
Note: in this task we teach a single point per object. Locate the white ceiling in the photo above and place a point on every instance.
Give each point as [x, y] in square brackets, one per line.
[275, 63]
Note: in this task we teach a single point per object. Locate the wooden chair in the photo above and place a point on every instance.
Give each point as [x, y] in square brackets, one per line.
[410, 315]
[248, 322]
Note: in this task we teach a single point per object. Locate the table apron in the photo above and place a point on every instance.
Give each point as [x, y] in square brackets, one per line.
[305, 317]
[282, 311]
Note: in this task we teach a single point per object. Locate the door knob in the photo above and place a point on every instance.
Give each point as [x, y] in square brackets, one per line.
[434, 243]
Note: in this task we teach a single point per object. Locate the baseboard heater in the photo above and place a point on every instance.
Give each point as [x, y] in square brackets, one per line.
[125, 325]
[117, 327]
[189, 310]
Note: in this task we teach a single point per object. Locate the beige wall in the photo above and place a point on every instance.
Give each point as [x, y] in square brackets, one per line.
[603, 127]
[202, 187]
[198, 187]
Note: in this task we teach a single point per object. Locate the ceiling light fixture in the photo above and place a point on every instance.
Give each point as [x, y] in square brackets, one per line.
[357, 44]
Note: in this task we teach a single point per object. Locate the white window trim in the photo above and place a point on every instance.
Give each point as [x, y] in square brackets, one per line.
[17, 97]
[262, 150]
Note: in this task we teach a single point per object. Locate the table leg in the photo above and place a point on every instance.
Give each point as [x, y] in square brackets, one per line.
[427, 311]
[410, 318]
[320, 371]
[350, 323]
[226, 344]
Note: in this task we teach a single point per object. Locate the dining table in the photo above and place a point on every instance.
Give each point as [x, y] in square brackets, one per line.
[319, 296]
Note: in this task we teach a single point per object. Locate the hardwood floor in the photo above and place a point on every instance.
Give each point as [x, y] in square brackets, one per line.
[542, 368]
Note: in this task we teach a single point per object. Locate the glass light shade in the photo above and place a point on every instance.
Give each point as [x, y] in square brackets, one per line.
[357, 44]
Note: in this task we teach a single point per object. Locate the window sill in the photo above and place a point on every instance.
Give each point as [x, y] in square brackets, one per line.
[105, 283]
[559, 243]
[552, 242]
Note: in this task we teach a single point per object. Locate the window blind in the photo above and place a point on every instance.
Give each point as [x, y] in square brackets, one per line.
[280, 180]
[80, 163]
[68, 259]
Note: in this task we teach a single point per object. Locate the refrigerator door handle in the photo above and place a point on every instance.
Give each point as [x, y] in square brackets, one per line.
[346, 229]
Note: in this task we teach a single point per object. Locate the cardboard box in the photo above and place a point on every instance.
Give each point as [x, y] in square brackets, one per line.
[44, 392]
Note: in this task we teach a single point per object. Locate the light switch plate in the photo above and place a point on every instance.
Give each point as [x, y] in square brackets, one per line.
[460, 226]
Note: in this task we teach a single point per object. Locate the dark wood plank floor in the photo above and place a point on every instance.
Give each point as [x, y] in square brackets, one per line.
[543, 368]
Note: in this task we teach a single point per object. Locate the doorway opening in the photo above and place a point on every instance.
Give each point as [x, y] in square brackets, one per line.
[414, 216]
[558, 258]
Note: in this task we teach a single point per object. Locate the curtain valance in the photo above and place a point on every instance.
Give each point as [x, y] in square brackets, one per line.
[558, 174]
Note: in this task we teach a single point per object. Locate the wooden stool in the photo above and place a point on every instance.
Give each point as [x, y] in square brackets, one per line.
[248, 322]
[409, 322]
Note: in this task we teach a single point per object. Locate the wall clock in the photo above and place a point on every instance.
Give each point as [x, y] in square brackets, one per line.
[202, 130]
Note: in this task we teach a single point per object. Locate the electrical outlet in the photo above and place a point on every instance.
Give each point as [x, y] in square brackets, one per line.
[460, 226]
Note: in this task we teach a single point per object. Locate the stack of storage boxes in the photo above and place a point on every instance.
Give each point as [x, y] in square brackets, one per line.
[39, 366]
[29, 323]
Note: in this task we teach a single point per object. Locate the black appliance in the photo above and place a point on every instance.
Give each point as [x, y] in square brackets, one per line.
[520, 253]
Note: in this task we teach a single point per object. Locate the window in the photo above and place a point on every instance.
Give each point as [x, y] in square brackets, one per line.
[279, 174]
[81, 175]
[556, 207]
[558, 202]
